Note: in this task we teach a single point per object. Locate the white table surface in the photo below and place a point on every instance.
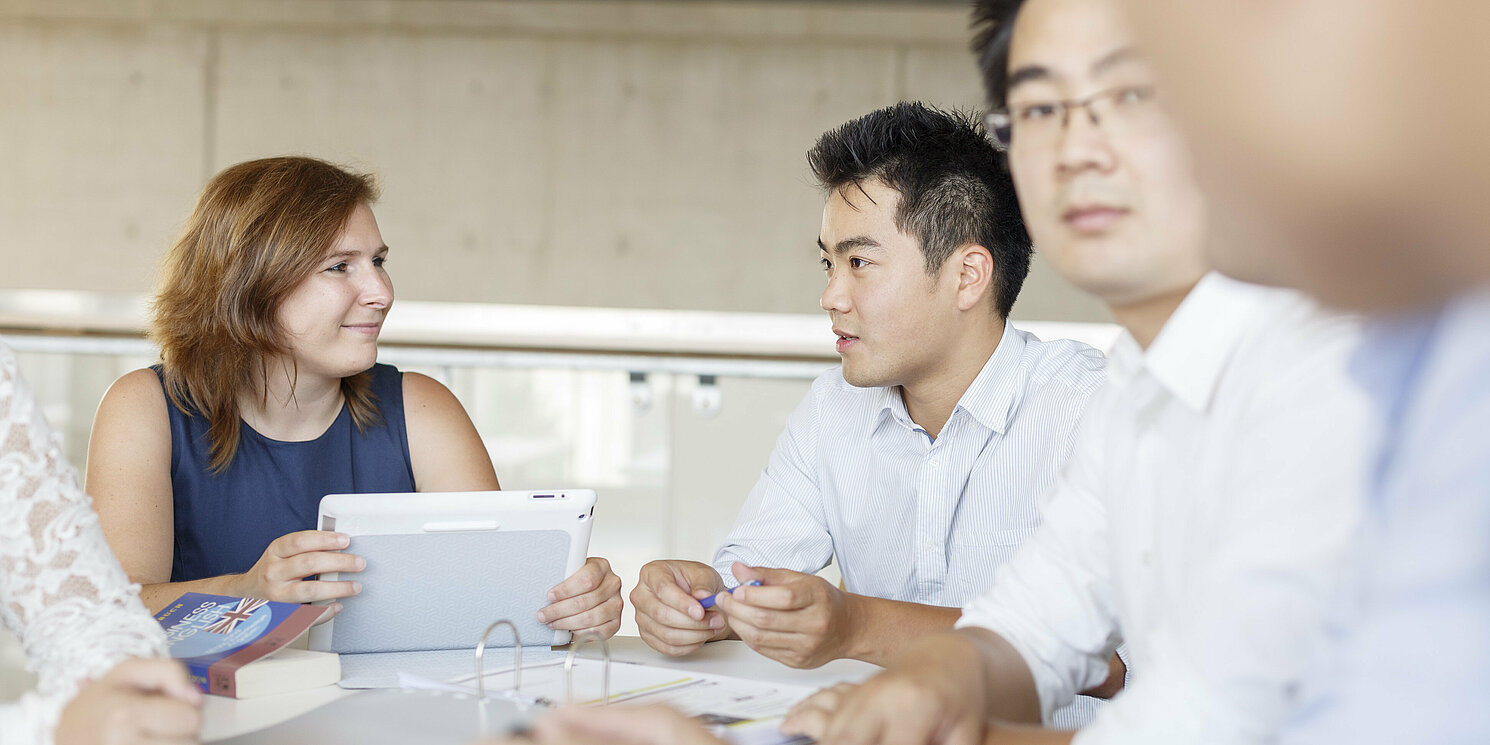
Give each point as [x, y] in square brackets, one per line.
[227, 717]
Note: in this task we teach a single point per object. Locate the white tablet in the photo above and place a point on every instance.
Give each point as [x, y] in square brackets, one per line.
[443, 566]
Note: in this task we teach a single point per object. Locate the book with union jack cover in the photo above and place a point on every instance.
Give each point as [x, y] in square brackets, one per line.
[216, 635]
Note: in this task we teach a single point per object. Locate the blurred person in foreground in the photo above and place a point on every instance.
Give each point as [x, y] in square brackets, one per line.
[1206, 514]
[1357, 143]
[86, 635]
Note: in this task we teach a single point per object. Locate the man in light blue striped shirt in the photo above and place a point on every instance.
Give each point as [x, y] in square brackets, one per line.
[918, 464]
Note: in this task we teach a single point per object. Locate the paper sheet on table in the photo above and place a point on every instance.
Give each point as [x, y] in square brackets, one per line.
[383, 669]
[746, 712]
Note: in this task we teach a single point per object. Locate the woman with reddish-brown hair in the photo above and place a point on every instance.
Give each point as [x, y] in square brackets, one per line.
[207, 469]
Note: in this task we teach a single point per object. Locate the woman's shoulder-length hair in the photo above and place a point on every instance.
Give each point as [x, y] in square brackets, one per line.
[258, 230]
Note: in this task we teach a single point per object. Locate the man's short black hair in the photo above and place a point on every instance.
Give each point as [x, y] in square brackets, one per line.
[954, 189]
[993, 26]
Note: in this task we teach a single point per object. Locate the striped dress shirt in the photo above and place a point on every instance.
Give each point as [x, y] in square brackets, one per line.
[909, 517]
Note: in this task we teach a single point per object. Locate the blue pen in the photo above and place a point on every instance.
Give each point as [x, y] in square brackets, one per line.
[708, 602]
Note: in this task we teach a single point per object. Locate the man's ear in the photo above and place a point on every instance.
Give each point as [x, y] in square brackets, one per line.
[975, 275]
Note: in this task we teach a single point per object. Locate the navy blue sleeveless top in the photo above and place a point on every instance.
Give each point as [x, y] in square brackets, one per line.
[225, 521]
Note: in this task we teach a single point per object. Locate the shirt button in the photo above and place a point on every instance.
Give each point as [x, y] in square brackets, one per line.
[935, 462]
[1148, 558]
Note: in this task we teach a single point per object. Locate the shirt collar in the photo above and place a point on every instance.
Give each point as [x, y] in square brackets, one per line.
[1386, 366]
[892, 404]
[1191, 352]
[992, 396]
[1395, 362]
[1397, 347]
[1391, 355]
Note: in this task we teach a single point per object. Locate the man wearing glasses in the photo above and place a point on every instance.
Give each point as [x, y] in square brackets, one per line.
[1206, 512]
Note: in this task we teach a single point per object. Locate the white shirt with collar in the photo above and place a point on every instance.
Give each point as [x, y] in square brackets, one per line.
[910, 517]
[1204, 518]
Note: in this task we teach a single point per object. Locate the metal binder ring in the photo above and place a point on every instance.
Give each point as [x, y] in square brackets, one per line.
[569, 668]
[517, 658]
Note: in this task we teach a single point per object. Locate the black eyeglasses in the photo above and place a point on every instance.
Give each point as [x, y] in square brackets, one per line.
[1041, 122]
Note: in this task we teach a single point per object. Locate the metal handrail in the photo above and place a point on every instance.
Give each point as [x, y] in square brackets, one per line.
[476, 335]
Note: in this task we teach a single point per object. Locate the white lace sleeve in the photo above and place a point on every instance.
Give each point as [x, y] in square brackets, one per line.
[61, 589]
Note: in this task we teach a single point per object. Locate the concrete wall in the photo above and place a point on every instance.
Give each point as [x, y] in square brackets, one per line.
[572, 153]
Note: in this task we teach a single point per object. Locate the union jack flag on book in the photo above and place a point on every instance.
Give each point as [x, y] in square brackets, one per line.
[231, 618]
[214, 635]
